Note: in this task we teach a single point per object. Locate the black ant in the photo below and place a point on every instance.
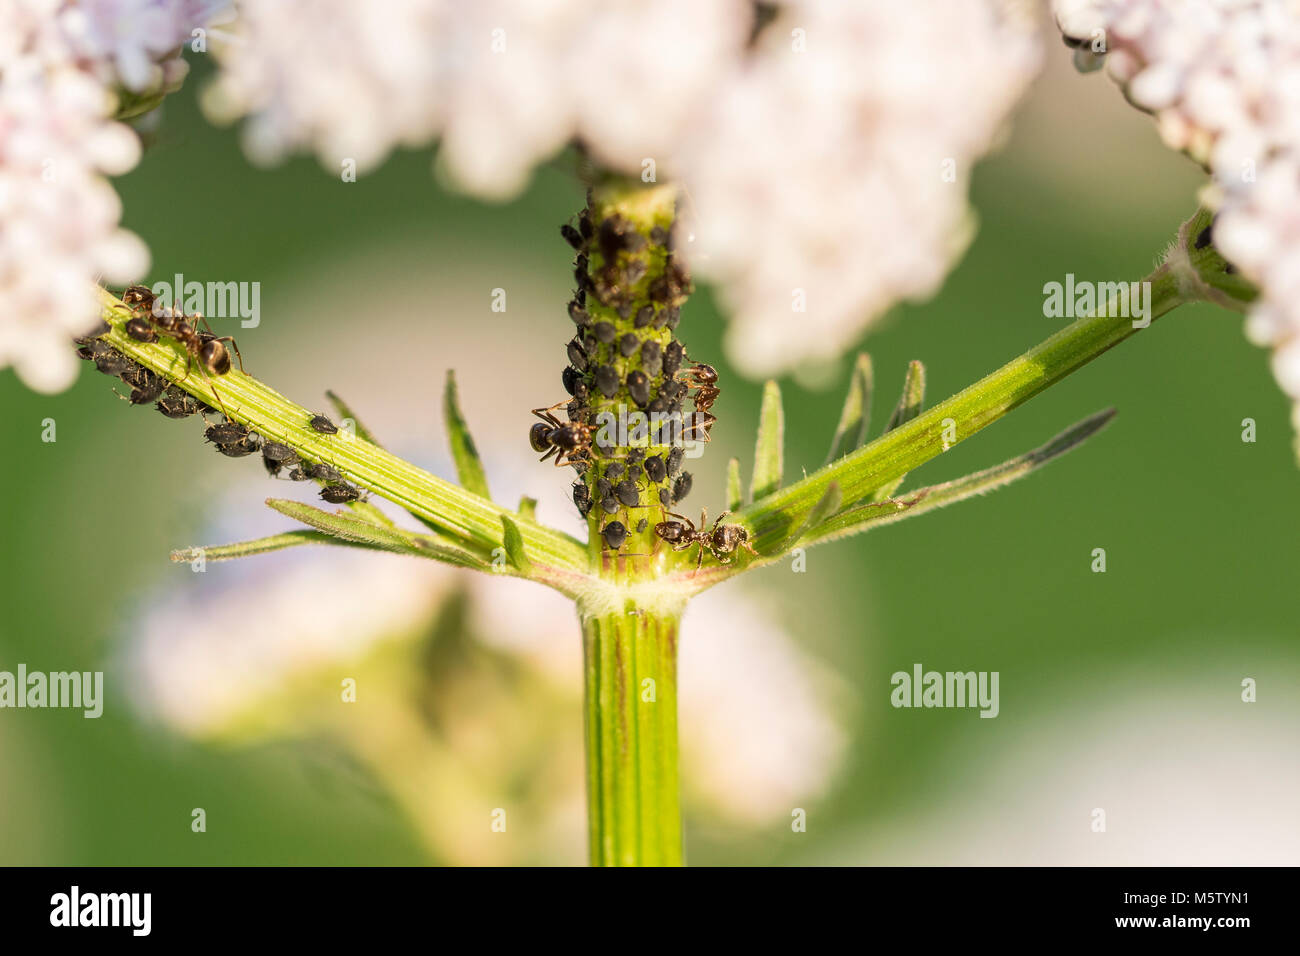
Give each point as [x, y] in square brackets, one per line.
[721, 539]
[567, 442]
[704, 379]
[205, 348]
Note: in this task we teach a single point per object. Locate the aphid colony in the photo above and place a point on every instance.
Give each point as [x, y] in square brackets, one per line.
[208, 351]
[643, 367]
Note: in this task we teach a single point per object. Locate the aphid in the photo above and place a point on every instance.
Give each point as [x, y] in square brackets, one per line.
[280, 453]
[640, 525]
[604, 487]
[578, 314]
[609, 505]
[638, 386]
[628, 344]
[604, 332]
[607, 380]
[323, 425]
[627, 494]
[323, 472]
[226, 433]
[672, 317]
[584, 223]
[674, 461]
[577, 355]
[614, 534]
[340, 494]
[634, 455]
[145, 385]
[140, 329]
[682, 486]
[614, 470]
[673, 356]
[582, 497]
[652, 359]
[107, 359]
[634, 471]
[644, 316]
[553, 437]
[720, 540]
[612, 237]
[655, 469]
[571, 378]
[671, 389]
[177, 403]
[244, 446]
[665, 499]
[571, 236]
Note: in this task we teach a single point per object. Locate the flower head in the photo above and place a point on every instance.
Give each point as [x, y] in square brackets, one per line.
[1222, 78]
[59, 66]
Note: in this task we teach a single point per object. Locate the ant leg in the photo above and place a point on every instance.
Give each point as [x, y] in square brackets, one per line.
[749, 547]
[539, 411]
[549, 452]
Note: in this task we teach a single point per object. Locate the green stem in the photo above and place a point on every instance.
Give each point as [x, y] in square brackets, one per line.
[630, 668]
[901, 450]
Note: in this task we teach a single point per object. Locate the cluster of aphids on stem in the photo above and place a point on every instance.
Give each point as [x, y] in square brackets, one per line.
[626, 307]
[206, 351]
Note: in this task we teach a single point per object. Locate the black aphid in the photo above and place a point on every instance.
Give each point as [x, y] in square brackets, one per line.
[323, 425]
[339, 494]
[638, 386]
[582, 497]
[607, 380]
[627, 494]
[655, 469]
[628, 344]
[614, 534]
[682, 486]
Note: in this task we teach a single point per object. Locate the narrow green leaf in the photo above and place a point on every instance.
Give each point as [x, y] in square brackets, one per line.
[937, 496]
[827, 505]
[768, 450]
[735, 496]
[514, 544]
[345, 411]
[243, 549]
[855, 418]
[345, 526]
[909, 403]
[908, 407]
[528, 508]
[469, 469]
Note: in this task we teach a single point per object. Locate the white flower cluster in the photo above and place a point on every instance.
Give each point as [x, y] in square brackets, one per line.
[826, 165]
[1222, 78]
[59, 65]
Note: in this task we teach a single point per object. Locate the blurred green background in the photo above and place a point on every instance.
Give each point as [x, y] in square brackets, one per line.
[1118, 690]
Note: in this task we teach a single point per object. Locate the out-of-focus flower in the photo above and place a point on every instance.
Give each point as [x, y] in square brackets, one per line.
[826, 164]
[1222, 78]
[829, 177]
[468, 693]
[59, 66]
[504, 83]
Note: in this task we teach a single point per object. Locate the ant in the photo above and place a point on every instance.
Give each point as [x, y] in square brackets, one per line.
[567, 442]
[704, 379]
[207, 348]
[721, 539]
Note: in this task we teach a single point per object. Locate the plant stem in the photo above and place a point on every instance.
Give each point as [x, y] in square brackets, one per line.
[897, 452]
[630, 687]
